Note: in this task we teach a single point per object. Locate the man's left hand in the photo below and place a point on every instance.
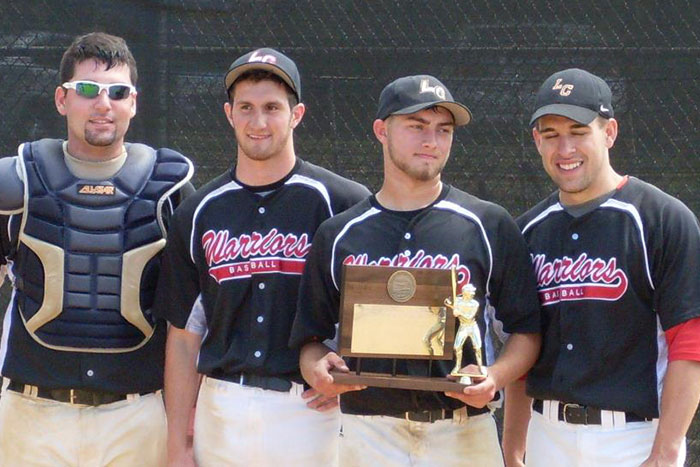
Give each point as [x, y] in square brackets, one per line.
[479, 394]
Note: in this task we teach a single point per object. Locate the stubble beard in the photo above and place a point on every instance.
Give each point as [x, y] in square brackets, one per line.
[421, 174]
[100, 138]
[573, 187]
[257, 153]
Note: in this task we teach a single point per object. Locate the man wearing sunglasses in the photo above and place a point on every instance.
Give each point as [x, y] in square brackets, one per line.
[82, 224]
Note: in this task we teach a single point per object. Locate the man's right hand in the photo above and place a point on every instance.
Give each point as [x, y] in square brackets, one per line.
[181, 386]
[316, 361]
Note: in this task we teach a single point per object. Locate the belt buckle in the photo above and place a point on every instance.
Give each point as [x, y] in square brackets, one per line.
[427, 416]
[442, 416]
[71, 396]
[575, 414]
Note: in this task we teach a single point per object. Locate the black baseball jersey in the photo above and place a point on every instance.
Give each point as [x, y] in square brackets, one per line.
[236, 256]
[458, 230]
[610, 282]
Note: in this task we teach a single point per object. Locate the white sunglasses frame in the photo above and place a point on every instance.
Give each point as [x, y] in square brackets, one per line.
[102, 87]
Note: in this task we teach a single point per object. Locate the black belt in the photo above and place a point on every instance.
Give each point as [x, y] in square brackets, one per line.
[71, 396]
[431, 416]
[583, 415]
[274, 383]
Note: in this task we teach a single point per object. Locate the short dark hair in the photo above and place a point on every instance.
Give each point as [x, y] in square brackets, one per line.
[257, 76]
[105, 48]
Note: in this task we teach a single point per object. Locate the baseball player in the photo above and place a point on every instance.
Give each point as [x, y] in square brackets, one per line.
[416, 221]
[617, 265]
[239, 248]
[465, 309]
[82, 225]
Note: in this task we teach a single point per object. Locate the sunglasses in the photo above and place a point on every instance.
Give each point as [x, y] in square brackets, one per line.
[91, 89]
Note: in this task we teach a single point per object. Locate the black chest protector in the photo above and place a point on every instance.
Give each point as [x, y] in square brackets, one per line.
[87, 259]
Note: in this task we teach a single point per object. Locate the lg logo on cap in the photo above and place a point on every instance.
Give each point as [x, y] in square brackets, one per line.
[565, 88]
[255, 57]
[437, 90]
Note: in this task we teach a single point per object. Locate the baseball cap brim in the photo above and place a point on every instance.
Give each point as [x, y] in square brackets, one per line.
[578, 114]
[460, 112]
[239, 70]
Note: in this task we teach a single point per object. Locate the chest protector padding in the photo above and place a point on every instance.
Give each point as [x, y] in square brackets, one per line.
[87, 257]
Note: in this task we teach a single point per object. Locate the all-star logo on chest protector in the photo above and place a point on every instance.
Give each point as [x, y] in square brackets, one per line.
[419, 260]
[257, 253]
[583, 278]
[86, 189]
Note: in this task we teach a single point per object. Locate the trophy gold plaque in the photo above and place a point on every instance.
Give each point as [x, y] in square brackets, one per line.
[404, 313]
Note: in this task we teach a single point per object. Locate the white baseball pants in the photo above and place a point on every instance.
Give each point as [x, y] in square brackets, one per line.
[249, 426]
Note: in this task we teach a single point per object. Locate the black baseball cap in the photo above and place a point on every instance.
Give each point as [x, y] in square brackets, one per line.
[412, 94]
[575, 94]
[269, 60]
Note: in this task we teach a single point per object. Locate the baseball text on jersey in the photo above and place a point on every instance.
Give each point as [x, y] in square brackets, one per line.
[583, 278]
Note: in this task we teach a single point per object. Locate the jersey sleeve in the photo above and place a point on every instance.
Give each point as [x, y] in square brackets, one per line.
[319, 300]
[11, 186]
[174, 200]
[684, 341]
[186, 191]
[178, 283]
[675, 263]
[349, 195]
[4, 246]
[513, 287]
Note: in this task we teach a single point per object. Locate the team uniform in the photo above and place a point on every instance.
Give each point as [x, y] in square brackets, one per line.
[231, 273]
[613, 276]
[402, 427]
[81, 353]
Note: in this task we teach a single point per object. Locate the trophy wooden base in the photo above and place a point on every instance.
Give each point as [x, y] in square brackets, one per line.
[468, 378]
[383, 380]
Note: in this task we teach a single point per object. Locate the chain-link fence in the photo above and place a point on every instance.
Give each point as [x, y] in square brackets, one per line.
[492, 55]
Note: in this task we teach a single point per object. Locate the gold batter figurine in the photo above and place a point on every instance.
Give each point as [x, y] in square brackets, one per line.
[465, 309]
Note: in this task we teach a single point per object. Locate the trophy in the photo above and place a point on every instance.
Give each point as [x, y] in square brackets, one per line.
[465, 308]
[406, 313]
